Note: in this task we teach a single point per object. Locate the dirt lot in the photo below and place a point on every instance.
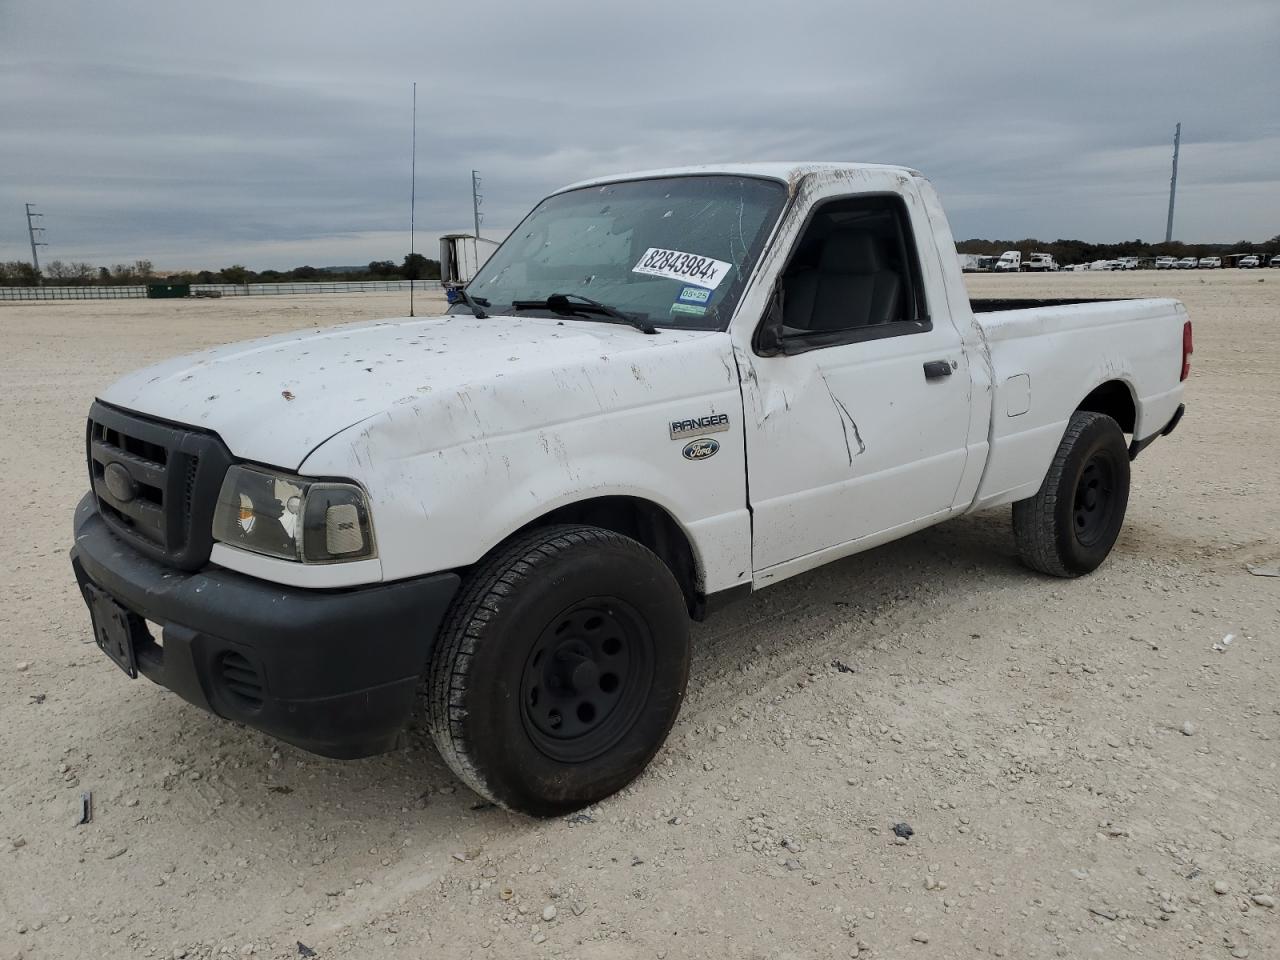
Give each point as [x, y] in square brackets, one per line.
[1086, 773]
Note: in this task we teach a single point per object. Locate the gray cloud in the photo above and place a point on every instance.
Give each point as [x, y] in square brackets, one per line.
[274, 134]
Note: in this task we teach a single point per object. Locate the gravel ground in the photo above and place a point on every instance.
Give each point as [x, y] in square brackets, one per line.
[1089, 768]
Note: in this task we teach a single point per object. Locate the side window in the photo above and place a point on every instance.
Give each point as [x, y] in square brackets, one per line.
[854, 275]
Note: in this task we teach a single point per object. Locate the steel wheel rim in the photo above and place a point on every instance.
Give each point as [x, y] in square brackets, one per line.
[586, 679]
[1095, 499]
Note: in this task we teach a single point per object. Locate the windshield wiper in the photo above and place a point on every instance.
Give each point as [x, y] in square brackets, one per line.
[472, 303]
[560, 303]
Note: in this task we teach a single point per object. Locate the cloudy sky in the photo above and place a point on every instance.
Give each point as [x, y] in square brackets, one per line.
[276, 133]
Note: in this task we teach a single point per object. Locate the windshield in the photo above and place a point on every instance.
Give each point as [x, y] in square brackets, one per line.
[675, 251]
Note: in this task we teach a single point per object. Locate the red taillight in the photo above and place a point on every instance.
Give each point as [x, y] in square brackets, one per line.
[1186, 351]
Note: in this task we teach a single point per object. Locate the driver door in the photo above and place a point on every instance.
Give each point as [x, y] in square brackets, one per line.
[858, 412]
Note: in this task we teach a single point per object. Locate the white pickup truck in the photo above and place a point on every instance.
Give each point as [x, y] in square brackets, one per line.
[664, 391]
[1039, 263]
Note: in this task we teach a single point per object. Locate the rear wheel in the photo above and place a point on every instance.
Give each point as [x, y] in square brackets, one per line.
[1069, 527]
[559, 670]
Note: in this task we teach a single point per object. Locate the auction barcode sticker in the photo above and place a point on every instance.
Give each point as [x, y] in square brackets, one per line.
[677, 265]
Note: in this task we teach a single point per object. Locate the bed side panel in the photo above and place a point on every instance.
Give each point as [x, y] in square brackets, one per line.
[1048, 359]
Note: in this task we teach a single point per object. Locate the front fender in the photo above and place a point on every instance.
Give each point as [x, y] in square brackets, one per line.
[448, 483]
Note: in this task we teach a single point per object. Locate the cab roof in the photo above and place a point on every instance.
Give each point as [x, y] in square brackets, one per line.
[785, 172]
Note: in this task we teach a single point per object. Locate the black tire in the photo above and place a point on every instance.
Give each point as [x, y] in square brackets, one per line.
[1071, 524]
[559, 669]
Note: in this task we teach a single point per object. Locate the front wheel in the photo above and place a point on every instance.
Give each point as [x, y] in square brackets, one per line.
[559, 670]
[1071, 524]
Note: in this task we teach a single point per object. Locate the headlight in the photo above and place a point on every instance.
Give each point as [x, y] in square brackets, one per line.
[293, 518]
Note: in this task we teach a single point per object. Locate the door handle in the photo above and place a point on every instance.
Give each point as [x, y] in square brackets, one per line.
[937, 369]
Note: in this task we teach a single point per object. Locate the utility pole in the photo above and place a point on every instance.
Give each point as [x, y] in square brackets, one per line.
[476, 199]
[1173, 183]
[32, 230]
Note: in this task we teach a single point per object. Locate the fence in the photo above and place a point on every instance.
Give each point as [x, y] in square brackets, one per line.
[295, 289]
[72, 293]
[222, 289]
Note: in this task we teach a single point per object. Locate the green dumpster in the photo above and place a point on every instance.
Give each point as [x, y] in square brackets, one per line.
[165, 291]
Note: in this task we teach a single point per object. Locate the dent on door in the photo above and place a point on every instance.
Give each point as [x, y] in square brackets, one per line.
[765, 399]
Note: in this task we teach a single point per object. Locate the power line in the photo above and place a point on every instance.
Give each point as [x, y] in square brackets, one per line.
[32, 230]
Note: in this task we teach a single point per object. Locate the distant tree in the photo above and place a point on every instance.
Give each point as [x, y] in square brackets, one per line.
[57, 270]
[18, 273]
[304, 273]
[236, 273]
[104, 275]
[142, 270]
[418, 267]
[383, 268]
[414, 267]
[81, 272]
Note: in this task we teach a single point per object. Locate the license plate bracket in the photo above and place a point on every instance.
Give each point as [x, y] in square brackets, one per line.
[115, 630]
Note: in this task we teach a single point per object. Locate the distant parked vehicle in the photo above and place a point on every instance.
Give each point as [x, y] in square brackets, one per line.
[1210, 263]
[1166, 263]
[1127, 263]
[1274, 261]
[1040, 263]
[1010, 262]
[976, 262]
[1187, 263]
[1249, 262]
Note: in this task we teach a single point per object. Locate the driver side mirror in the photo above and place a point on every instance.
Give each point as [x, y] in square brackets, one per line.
[769, 336]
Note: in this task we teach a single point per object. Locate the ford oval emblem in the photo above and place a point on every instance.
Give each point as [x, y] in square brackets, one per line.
[701, 449]
[120, 482]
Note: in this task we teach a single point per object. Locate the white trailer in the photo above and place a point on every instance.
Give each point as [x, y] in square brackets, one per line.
[461, 255]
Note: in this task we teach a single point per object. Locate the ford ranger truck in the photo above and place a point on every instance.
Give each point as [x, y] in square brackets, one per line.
[663, 391]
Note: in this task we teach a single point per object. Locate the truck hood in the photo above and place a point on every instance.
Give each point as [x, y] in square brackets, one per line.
[276, 399]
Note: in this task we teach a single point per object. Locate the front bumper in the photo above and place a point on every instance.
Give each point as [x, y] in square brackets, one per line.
[332, 671]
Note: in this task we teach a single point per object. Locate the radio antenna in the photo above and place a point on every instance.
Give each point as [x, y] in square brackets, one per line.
[413, 193]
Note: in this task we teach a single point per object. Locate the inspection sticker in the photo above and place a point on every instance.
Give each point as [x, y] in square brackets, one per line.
[687, 309]
[698, 295]
[676, 265]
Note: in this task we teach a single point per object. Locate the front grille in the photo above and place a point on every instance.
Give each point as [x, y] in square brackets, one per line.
[241, 679]
[155, 483]
[141, 511]
[188, 492]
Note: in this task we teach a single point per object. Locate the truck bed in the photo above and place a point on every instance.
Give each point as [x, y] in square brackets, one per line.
[997, 305]
[1045, 356]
